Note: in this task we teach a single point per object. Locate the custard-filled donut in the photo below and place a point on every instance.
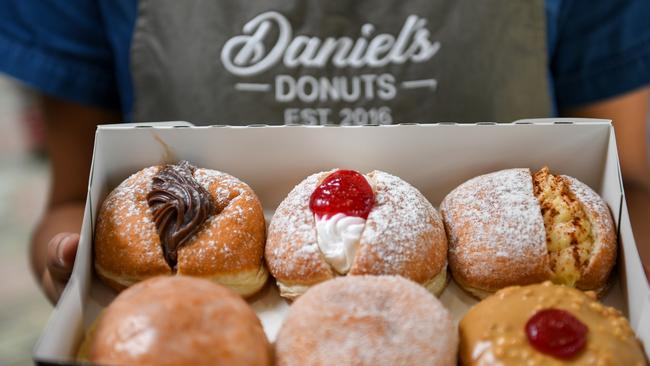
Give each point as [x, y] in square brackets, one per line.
[343, 223]
[178, 320]
[513, 228]
[178, 219]
[546, 324]
[367, 320]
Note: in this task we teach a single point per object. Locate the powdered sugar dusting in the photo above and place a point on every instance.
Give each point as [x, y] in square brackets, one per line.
[402, 232]
[235, 239]
[495, 226]
[292, 249]
[125, 199]
[360, 320]
[124, 215]
[228, 185]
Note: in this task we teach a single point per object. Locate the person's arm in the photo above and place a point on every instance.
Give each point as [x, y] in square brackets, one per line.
[70, 132]
[629, 113]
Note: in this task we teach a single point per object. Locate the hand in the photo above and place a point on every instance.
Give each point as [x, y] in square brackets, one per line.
[61, 251]
[69, 134]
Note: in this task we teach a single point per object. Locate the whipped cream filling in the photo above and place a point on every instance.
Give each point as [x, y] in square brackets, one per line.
[338, 239]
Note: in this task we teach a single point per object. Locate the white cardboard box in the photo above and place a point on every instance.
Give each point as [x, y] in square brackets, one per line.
[435, 158]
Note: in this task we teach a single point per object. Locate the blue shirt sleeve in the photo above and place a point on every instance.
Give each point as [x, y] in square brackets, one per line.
[60, 48]
[602, 49]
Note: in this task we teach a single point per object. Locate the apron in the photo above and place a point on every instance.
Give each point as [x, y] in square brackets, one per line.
[348, 62]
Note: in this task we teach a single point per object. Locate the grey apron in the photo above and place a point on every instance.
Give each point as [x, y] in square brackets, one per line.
[344, 62]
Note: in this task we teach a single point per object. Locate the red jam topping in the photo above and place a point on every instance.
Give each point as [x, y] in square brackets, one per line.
[556, 333]
[344, 191]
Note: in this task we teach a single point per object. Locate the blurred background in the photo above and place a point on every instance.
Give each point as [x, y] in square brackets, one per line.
[23, 191]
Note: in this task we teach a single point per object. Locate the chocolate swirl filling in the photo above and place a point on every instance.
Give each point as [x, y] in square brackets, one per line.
[180, 205]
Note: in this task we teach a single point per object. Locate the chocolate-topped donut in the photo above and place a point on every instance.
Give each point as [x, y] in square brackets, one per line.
[179, 219]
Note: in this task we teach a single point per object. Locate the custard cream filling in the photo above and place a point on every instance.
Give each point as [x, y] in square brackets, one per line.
[569, 233]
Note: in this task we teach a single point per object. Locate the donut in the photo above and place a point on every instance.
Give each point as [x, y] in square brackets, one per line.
[341, 222]
[546, 324]
[512, 227]
[178, 320]
[367, 320]
[179, 219]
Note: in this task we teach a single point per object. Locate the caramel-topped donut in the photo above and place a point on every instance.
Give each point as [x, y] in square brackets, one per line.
[375, 224]
[546, 324]
[178, 219]
[367, 320]
[178, 320]
[514, 228]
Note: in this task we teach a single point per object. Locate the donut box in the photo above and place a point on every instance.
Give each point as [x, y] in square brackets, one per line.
[434, 158]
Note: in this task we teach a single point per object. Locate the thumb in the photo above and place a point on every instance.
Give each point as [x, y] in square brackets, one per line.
[61, 251]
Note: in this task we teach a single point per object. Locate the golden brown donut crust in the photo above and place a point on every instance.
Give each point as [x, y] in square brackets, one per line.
[367, 320]
[229, 247]
[178, 320]
[127, 247]
[492, 332]
[497, 236]
[403, 235]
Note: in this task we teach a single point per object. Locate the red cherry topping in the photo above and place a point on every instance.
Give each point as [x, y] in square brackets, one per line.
[556, 333]
[344, 191]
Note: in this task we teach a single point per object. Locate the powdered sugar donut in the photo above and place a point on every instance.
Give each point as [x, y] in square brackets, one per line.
[367, 320]
[340, 223]
[178, 219]
[512, 227]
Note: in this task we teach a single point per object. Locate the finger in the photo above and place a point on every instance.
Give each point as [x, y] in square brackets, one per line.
[60, 256]
[68, 249]
[53, 259]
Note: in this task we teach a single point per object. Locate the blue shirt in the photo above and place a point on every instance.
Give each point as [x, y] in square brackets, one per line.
[80, 50]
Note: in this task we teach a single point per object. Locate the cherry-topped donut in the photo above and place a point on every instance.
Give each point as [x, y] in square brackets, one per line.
[557, 333]
[344, 191]
[546, 324]
[342, 222]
